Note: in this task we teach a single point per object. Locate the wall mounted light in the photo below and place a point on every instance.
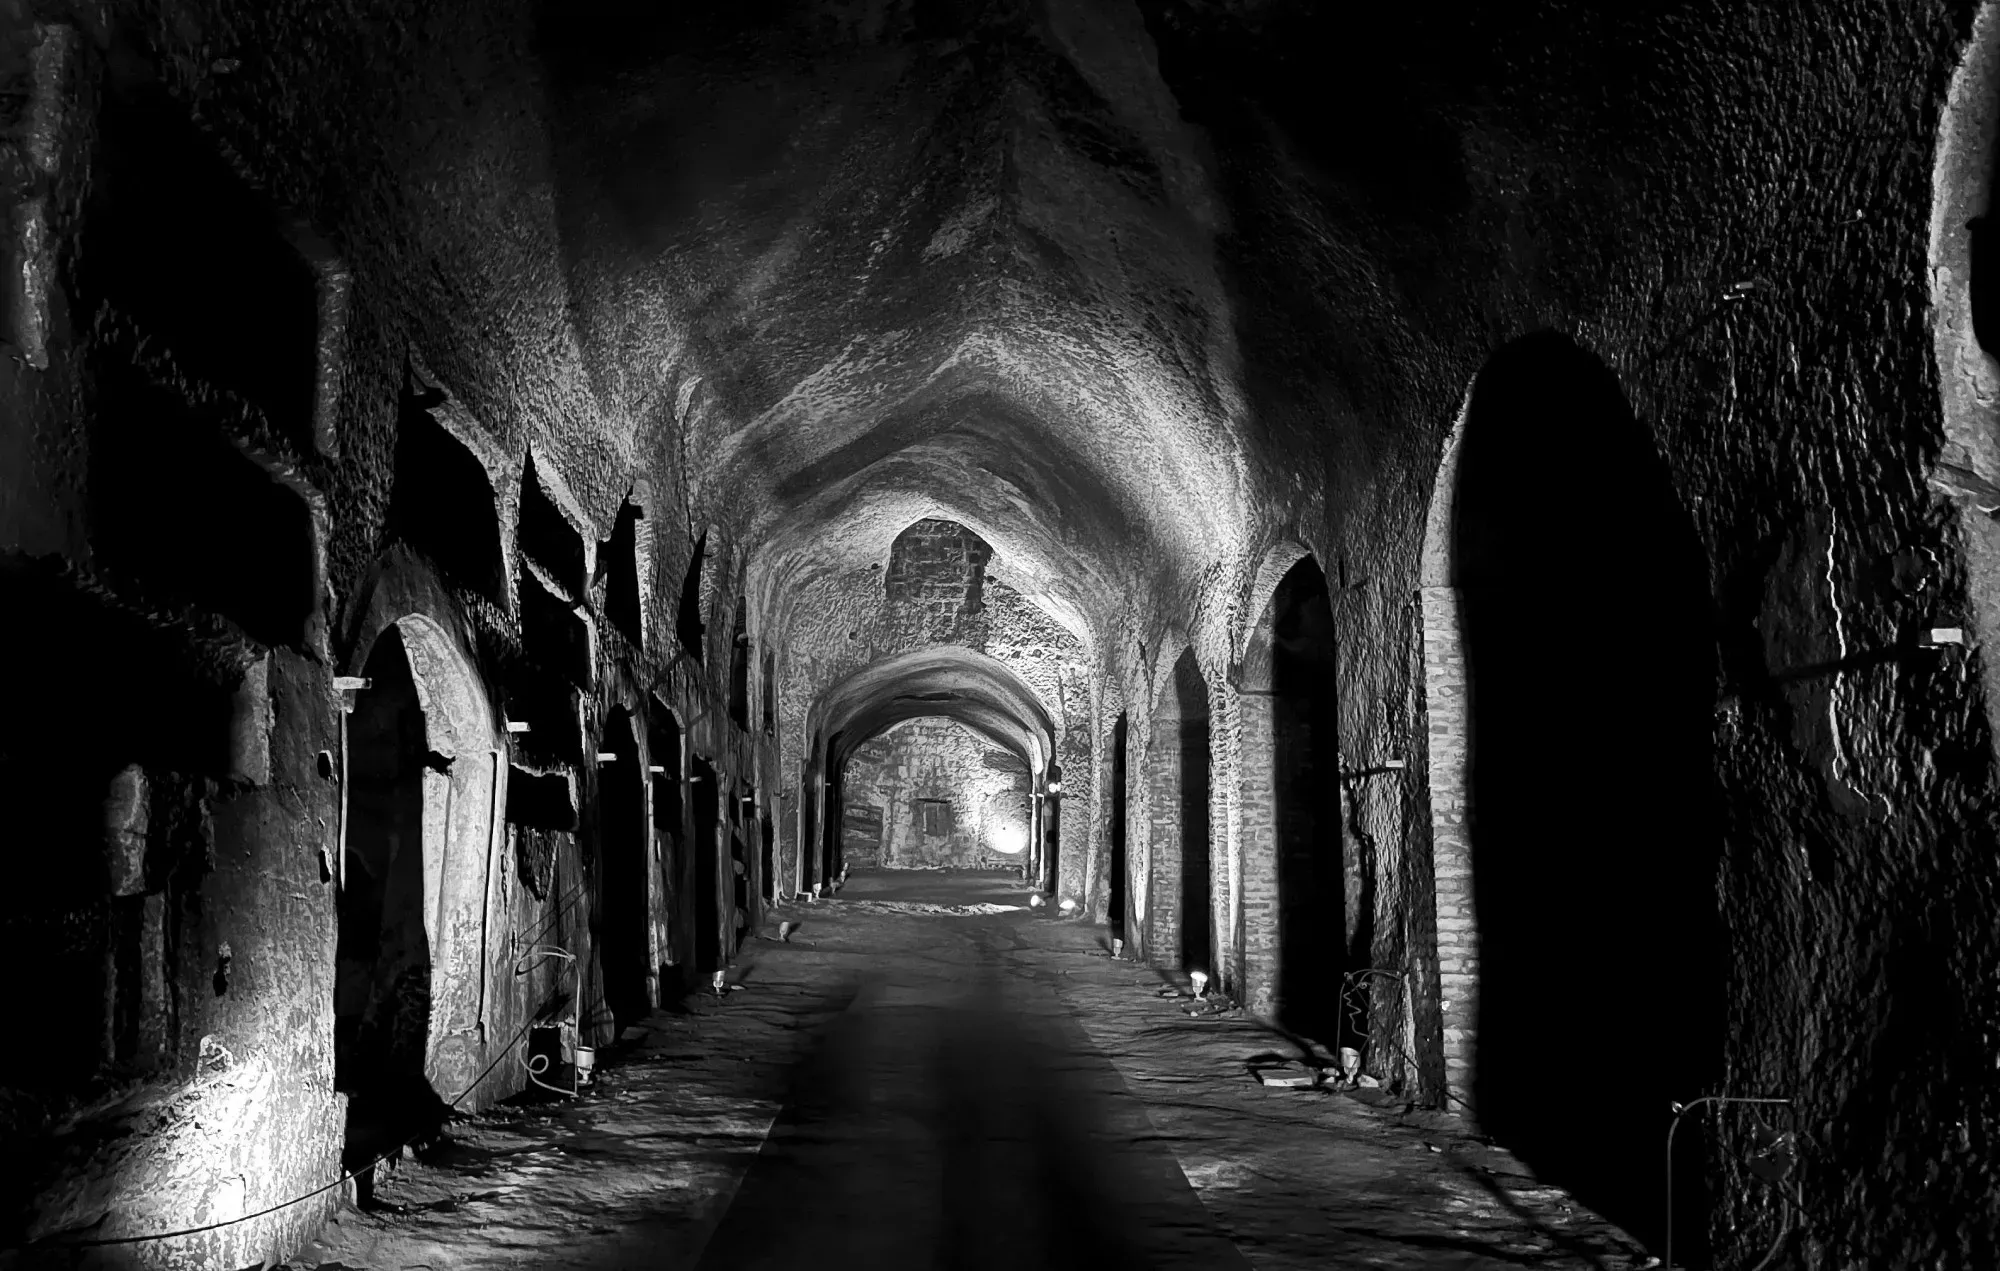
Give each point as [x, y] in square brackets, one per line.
[607, 756]
[656, 769]
[1055, 787]
[1938, 637]
[349, 683]
[517, 725]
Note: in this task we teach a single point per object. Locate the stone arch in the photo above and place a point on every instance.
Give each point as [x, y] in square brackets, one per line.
[1180, 927]
[1965, 303]
[624, 847]
[1278, 561]
[424, 787]
[1560, 826]
[1294, 937]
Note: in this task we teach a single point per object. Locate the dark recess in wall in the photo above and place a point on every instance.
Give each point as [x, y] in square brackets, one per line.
[623, 836]
[1312, 896]
[770, 678]
[1116, 830]
[1594, 845]
[546, 536]
[688, 626]
[739, 670]
[200, 260]
[540, 800]
[189, 518]
[1197, 909]
[707, 861]
[382, 977]
[442, 504]
[556, 637]
[618, 566]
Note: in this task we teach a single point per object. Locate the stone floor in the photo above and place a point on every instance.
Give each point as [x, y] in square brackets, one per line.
[923, 1078]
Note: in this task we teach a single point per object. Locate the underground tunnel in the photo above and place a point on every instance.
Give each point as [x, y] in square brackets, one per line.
[1043, 632]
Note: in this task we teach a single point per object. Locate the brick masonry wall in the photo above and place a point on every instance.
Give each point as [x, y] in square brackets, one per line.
[1259, 852]
[934, 758]
[1451, 851]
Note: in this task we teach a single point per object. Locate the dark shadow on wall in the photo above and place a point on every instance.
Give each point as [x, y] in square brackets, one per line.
[688, 626]
[1305, 788]
[382, 978]
[1197, 908]
[626, 855]
[1590, 658]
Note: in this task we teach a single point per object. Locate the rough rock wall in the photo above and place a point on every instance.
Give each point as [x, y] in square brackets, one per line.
[407, 177]
[1664, 185]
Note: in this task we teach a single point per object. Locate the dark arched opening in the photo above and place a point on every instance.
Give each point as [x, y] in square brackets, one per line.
[1115, 831]
[1197, 910]
[1051, 862]
[829, 839]
[741, 879]
[688, 625]
[1305, 794]
[629, 986]
[1589, 655]
[382, 965]
[708, 899]
[739, 670]
[663, 746]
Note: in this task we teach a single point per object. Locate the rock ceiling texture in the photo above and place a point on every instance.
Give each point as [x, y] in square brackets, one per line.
[1139, 292]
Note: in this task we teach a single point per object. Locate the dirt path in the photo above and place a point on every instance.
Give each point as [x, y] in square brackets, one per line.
[928, 1077]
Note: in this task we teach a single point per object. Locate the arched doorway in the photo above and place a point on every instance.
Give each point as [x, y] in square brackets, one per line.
[671, 944]
[411, 960]
[629, 974]
[1585, 621]
[382, 978]
[1178, 759]
[1051, 862]
[1115, 831]
[708, 898]
[1312, 935]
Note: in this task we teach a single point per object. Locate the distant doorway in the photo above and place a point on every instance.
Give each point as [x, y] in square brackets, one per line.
[708, 895]
[629, 985]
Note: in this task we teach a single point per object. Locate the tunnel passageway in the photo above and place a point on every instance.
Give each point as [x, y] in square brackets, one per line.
[955, 1116]
[930, 1074]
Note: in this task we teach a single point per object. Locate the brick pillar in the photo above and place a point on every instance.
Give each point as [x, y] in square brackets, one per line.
[1259, 832]
[1451, 847]
[1163, 840]
[1226, 806]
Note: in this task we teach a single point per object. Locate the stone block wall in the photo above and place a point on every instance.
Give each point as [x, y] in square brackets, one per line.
[982, 792]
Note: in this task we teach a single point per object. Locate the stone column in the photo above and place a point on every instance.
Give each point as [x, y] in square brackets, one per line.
[1451, 846]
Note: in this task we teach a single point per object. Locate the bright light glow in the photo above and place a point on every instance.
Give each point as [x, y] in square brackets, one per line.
[1010, 839]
